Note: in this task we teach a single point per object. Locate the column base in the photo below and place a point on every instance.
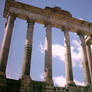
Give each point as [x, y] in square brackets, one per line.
[26, 84]
[49, 82]
[3, 82]
[25, 76]
[49, 87]
[88, 85]
[70, 83]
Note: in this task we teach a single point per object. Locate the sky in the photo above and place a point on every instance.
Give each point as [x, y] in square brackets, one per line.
[80, 9]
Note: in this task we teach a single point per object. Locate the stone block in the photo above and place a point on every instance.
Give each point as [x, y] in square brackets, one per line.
[74, 89]
[26, 84]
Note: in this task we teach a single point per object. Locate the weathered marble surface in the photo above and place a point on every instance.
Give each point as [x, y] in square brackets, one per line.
[51, 15]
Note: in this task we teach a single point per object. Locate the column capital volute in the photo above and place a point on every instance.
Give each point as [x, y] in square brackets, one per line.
[82, 39]
[30, 21]
[7, 19]
[12, 15]
[88, 43]
[80, 34]
[47, 24]
[88, 40]
[63, 28]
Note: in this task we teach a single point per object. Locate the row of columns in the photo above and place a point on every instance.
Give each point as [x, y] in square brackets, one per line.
[86, 55]
[86, 72]
[88, 47]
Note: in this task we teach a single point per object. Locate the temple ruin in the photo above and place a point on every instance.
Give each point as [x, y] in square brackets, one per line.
[50, 17]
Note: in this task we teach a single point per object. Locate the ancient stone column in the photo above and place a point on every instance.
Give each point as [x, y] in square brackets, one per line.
[84, 60]
[6, 45]
[26, 84]
[48, 55]
[28, 49]
[88, 48]
[68, 61]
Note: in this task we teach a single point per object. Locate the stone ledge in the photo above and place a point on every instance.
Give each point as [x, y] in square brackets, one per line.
[39, 86]
[58, 20]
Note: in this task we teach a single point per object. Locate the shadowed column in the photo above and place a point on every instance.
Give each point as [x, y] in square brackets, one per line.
[48, 55]
[28, 49]
[6, 45]
[88, 48]
[84, 61]
[68, 61]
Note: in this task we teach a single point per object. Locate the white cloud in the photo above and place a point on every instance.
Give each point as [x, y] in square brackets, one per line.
[76, 55]
[61, 81]
[80, 18]
[75, 34]
[75, 42]
[41, 76]
[42, 48]
[9, 76]
[58, 52]
[91, 47]
[79, 83]
[58, 81]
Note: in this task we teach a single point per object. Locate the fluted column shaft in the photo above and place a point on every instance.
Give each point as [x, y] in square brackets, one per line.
[28, 49]
[68, 61]
[6, 44]
[48, 55]
[84, 60]
[88, 48]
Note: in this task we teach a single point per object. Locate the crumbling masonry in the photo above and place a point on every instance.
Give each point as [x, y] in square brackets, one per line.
[50, 17]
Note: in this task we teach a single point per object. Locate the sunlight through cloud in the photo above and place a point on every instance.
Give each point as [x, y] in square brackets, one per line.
[58, 52]
[61, 81]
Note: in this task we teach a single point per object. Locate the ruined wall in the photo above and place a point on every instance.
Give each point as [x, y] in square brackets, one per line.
[14, 86]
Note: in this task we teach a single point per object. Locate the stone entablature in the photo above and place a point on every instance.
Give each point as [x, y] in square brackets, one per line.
[41, 16]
